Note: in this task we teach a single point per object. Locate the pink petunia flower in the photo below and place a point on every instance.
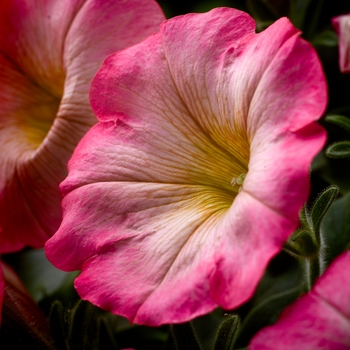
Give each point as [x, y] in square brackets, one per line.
[341, 25]
[318, 320]
[49, 52]
[176, 201]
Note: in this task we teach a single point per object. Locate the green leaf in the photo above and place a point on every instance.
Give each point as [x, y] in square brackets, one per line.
[105, 337]
[57, 325]
[336, 228]
[283, 276]
[185, 337]
[327, 38]
[297, 12]
[265, 313]
[303, 217]
[141, 337]
[339, 150]
[39, 276]
[321, 206]
[227, 333]
[339, 120]
[334, 171]
[302, 244]
[82, 326]
[264, 15]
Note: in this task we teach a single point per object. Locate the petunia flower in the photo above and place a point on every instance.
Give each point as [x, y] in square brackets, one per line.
[49, 52]
[341, 25]
[192, 180]
[318, 320]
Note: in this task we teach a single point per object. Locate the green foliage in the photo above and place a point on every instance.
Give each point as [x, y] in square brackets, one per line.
[339, 120]
[302, 244]
[307, 243]
[227, 333]
[298, 11]
[339, 150]
[185, 337]
[336, 228]
[321, 207]
[39, 276]
[266, 313]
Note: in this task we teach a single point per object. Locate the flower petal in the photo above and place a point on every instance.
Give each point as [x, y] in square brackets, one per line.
[341, 25]
[318, 320]
[49, 53]
[153, 214]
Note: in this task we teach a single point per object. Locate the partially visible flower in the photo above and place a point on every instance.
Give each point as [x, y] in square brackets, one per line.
[318, 320]
[49, 52]
[341, 25]
[193, 179]
[23, 323]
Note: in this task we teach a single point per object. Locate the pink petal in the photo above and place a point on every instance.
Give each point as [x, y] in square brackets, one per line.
[150, 213]
[341, 25]
[8, 274]
[318, 320]
[49, 53]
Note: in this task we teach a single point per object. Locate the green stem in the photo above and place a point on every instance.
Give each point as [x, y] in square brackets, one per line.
[313, 270]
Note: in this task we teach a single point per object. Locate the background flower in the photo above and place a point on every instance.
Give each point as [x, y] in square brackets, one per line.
[155, 212]
[49, 53]
[318, 320]
[342, 26]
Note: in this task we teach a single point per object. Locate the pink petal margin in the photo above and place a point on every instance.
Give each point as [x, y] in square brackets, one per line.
[318, 320]
[149, 212]
[341, 25]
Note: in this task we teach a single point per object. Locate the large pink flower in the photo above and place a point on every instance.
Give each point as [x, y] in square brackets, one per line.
[342, 26]
[49, 53]
[319, 320]
[157, 212]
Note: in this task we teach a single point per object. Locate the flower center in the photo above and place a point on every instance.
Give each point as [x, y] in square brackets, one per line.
[238, 181]
[36, 115]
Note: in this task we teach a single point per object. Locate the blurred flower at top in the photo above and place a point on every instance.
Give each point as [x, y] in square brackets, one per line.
[49, 53]
[318, 320]
[193, 179]
[341, 25]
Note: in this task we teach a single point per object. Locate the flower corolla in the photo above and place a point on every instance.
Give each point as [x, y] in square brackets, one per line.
[192, 180]
[341, 25]
[318, 320]
[49, 52]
